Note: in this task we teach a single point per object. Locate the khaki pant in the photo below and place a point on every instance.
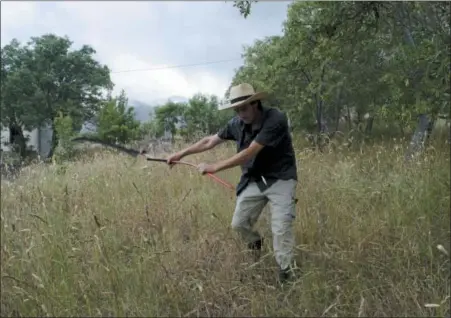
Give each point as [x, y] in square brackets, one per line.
[250, 203]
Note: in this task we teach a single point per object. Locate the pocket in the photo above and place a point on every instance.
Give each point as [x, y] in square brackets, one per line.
[282, 196]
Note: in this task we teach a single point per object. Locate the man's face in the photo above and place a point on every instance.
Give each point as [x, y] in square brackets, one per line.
[247, 112]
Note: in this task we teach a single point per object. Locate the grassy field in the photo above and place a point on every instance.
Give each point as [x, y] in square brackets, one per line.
[114, 236]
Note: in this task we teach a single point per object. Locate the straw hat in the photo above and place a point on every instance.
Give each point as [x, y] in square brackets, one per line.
[242, 94]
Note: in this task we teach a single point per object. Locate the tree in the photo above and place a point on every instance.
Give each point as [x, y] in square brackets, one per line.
[64, 128]
[116, 122]
[201, 116]
[148, 129]
[168, 117]
[244, 6]
[198, 117]
[18, 112]
[362, 61]
[55, 80]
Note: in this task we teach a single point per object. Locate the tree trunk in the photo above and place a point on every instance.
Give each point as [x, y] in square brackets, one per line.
[348, 118]
[369, 125]
[338, 109]
[54, 141]
[358, 121]
[420, 137]
[402, 17]
[319, 102]
[337, 124]
[17, 140]
[324, 127]
[319, 111]
[401, 128]
[448, 124]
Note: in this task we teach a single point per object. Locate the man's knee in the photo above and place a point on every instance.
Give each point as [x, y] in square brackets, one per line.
[247, 210]
[237, 222]
[241, 218]
[283, 215]
[282, 223]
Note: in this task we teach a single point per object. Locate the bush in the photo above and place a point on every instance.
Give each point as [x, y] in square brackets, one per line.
[65, 132]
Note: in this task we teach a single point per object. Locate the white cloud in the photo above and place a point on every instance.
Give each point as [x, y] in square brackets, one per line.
[16, 14]
[141, 84]
[100, 16]
[150, 34]
[161, 83]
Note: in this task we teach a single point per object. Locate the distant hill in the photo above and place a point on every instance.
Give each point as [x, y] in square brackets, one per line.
[143, 110]
[175, 99]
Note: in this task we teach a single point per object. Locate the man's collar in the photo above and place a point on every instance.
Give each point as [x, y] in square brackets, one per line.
[259, 125]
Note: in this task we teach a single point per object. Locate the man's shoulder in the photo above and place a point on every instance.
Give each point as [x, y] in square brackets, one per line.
[234, 122]
[230, 131]
[276, 115]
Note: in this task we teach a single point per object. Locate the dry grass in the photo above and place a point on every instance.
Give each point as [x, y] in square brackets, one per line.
[105, 237]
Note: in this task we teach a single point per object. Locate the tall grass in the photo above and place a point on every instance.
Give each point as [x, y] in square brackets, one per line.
[115, 236]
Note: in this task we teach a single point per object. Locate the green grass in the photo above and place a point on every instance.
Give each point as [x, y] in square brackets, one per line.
[106, 237]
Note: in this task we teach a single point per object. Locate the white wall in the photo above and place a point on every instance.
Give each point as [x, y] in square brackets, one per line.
[45, 141]
[33, 141]
[40, 141]
[4, 136]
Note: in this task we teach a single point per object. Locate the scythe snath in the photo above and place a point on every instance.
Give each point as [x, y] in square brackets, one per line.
[136, 153]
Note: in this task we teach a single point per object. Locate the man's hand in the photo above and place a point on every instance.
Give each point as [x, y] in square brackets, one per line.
[174, 157]
[206, 168]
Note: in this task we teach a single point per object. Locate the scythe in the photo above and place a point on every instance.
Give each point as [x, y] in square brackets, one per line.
[136, 153]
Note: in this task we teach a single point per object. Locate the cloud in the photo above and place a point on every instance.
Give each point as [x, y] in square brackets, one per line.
[162, 83]
[16, 14]
[141, 84]
[150, 34]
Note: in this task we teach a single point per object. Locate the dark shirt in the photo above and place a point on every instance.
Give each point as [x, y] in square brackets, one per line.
[275, 161]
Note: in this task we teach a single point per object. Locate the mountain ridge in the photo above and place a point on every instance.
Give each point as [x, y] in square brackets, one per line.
[144, 110]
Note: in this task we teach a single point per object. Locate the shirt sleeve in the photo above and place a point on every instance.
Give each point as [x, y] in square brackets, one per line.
[227, 132]
[273, 130]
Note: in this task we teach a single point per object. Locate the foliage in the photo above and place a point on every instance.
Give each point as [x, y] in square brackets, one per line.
[116, 122]
[148, 129]
[44, 77]
[376, 245]
[17, 88]
[244, 6]
[168, 117]
[356, 67]
[199, 116]
[65, 132]
[342, 60]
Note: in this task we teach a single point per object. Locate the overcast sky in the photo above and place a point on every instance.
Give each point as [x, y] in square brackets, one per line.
[141, 35]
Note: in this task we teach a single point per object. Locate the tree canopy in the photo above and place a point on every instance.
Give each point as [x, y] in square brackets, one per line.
[388, 60]
[43, 78]
[336, 66]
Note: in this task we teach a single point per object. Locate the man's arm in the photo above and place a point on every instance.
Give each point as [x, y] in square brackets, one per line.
[202, 145]
[226, 133]
[240, 158]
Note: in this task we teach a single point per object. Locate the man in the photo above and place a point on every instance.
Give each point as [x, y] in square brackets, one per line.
[269, 174]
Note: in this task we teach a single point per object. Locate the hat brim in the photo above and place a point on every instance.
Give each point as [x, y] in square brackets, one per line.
[256, 96]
